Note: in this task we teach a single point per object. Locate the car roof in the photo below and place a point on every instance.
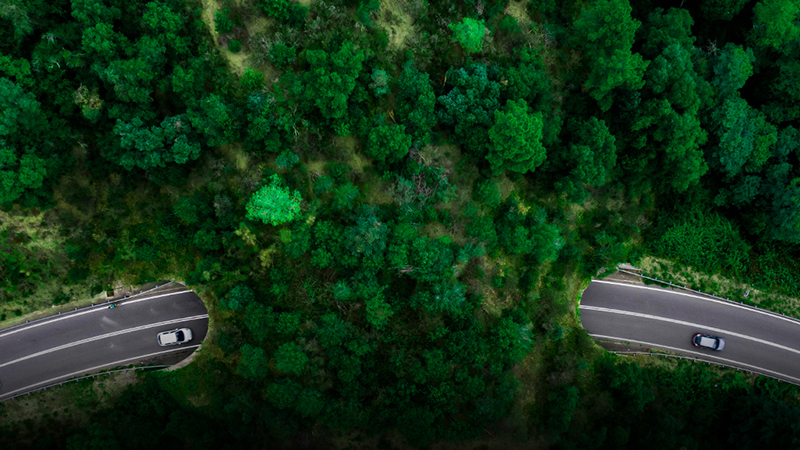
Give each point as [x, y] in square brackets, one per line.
[708, 342]
[169, 337]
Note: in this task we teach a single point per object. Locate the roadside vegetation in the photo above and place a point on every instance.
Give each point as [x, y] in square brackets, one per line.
[391, 209]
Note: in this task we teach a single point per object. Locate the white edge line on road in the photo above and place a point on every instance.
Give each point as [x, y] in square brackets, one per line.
[680, 350]
[722, 302]
[99, 367]
[67, 315]
[104, 336]
[689, 324]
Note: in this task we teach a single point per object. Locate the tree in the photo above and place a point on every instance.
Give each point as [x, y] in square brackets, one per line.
[378, 312]
[96, 437]
[470, 106]
[253, 363]
[592, 154]
[527, 80]
[214, 118]
[380, 82]
[260, 320]
[283, 393]
[469, 33]
[274, 204]
[388, 142]
[721, 9]
[516, 139]
[330, 79]
[784, 217]
[776, 23]
[332, 331]
[234, 46]
[290, 358]
[21, 118]
[732, 69]
[606, 32]
[91, 12]
[416, 102]
[282, 55]
[745, 137]
[147, 148]
[238, 298]
[19, 175]
[293, 14]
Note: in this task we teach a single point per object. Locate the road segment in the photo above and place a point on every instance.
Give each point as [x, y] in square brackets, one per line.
[69, 345]
[757, 340]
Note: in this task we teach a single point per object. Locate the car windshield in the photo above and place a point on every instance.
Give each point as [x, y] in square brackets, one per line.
[179, 335]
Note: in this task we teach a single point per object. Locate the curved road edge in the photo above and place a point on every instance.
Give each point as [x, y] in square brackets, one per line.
[700, 357]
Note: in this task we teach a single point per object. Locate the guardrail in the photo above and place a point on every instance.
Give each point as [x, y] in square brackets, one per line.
[84, 377]
[711, 295]
[28, 322]
[623, 353]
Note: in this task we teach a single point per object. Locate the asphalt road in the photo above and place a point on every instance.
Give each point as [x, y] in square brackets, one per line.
[758, 341]
[75, 344]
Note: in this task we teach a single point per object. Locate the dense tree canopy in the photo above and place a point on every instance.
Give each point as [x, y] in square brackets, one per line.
[391, 209]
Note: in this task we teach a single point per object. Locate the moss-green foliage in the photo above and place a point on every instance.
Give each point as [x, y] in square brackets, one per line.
[234, 46]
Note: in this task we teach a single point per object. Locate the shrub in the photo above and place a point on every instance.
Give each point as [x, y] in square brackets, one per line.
[234, 46]
[706, 241]
[282, 55]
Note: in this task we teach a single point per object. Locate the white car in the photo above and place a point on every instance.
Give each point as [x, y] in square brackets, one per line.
[174, 337]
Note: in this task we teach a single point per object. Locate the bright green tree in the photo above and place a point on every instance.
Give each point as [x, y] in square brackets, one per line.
[469, 33]
[274, 204]
[516, 139]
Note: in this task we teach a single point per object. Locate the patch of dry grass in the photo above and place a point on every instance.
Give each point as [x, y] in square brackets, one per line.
[393, 17]
[718, 285]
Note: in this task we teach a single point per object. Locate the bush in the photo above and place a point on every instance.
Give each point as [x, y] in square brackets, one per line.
[234, 46]
[222, 21]
[706, 241]
[282, 55]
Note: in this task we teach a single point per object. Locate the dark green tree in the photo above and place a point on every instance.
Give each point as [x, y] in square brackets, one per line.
[606, 32]
[388, 143]
[416, 102]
